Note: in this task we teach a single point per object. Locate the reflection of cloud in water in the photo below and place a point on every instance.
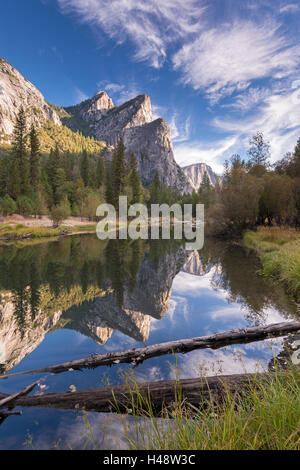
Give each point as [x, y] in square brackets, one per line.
[195, 286]
[104, 432]
[248, 358]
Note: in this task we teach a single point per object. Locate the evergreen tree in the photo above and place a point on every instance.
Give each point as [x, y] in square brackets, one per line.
[100, 172]
[135, 181]
[119, 171]
[14, 180]
[34, 159]
[109, 192]
[85, 168]
[259, 151]
[19, 147]
[53, 165]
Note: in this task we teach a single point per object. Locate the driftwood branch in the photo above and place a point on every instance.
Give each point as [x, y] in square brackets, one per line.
[161, 394]
[9, 400]
[138, 355]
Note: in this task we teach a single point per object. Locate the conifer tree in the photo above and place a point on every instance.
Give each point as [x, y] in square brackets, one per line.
[109, 192]
[85, 168]
[34, 159]
[19, 147]
[100, 172]
[119, 171]
[259, 151]
[134, 179]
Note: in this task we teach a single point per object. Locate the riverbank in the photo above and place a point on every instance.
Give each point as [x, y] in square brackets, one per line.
[266, 417]
[25, 228]
[279, 251]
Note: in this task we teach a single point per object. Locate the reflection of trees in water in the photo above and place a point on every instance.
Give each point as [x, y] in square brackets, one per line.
[71, 262]
[237, 272]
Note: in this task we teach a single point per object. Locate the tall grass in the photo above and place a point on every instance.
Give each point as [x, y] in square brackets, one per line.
[17, 232]
[279, 251]
[267, 417]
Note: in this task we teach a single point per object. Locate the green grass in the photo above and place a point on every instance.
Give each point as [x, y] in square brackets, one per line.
[18, 232]
[279, 251]
[266, 417]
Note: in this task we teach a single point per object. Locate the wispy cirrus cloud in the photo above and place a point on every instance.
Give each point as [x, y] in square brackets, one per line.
[278, 118]
[151, 26]
[212, 154]
[223, 60]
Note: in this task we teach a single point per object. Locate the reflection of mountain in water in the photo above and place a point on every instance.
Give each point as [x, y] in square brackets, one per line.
[194, 265]
[88, 286]
[97, 287]
[150, 297]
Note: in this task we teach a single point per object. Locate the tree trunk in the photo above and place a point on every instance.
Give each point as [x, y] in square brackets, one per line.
[138, 355]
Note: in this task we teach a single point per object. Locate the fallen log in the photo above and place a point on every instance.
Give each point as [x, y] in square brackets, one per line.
[6, 414]
[138, 355]
[161, 395]
[8, 400]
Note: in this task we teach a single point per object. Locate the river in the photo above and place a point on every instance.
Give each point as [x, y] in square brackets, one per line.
[66, 299]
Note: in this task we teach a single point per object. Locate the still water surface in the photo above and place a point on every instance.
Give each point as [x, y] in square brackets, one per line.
[66, 299]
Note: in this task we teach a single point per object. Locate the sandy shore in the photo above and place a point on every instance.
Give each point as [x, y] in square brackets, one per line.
[43, 221]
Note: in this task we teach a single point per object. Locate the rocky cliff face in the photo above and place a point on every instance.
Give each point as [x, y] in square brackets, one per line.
[149, 299]
[195, 174]
[195, 266]
[16, 342]
[16, 91]
[150, 140]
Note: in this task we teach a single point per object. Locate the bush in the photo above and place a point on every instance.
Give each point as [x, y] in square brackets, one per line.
[8, 205]
[25, 205]
[59, 213]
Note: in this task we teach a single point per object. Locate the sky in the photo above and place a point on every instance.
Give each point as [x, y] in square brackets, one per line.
[217, 71]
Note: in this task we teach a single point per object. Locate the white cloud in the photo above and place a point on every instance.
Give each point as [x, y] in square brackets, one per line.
[197, 152]
[227, 58]
[278, 118]
[152, 26]
[250, 98]
[290, 8]
[180, 130]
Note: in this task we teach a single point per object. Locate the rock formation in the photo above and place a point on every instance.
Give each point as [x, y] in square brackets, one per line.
[195, 266]
[16, 91]
[150, 140]
[150, 298]
[16, 342]
[195, 174]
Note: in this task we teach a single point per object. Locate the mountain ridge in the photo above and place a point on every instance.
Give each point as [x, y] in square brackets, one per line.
[195, 174]
[100, 118]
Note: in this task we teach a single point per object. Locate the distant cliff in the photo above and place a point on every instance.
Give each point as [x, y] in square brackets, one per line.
[97, 117]
[17, 91]
[149, 139]
[195, 174]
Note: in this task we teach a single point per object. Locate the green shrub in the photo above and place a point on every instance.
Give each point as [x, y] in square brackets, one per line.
[8, 205]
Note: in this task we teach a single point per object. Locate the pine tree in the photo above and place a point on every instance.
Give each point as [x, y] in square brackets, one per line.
[109, 192]
[85, 168]
[259, 151]
[119, 171]
[34, 159]
[19, 146]
[100, 172]
[134, 179]
[53, 165]
[14, 180]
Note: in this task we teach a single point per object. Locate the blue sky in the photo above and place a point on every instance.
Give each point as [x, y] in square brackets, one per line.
[216, 70]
